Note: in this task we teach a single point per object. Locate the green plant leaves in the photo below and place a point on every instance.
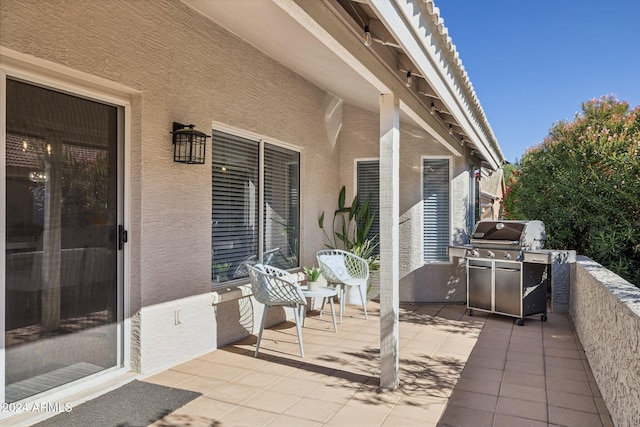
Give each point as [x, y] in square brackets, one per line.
[583, 181]
[354, 224]
[341, 197]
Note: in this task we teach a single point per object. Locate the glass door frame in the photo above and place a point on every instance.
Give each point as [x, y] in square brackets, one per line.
[45, 74]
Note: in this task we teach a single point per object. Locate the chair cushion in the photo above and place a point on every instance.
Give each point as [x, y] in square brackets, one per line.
[337, 265]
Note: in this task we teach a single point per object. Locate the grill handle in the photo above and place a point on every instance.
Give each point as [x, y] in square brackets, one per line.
[480, 267]
[507, 269]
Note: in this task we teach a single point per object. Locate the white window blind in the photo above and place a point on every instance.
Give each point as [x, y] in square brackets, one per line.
[281, 206]
[436, 202]
[236, 237]
[368, 183]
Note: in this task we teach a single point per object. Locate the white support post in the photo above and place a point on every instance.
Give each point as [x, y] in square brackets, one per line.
[389, 240]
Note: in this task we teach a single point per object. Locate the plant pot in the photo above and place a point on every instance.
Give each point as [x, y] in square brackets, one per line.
[313, 286]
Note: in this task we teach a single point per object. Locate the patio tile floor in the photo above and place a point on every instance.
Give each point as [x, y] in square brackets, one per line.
[455, 370]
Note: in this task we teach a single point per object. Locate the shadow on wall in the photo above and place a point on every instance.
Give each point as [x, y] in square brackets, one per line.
[239, 318]
[435, 282]
[438, 282]
[333, 119]
[234, 320]
[462, 236]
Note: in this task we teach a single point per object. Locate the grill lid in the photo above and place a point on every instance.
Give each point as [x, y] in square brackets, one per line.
[522, 234]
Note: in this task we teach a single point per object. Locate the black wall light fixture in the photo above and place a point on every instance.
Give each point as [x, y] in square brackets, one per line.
[189, 144]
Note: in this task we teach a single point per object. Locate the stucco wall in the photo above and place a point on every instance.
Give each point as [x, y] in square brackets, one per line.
[150, 46]
[419, 281]
[146, 46]
[605, 310]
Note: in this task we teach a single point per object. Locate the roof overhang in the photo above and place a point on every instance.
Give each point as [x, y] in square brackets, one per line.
[322, 41]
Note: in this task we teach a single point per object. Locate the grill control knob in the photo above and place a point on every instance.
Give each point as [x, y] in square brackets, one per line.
[490, 254]
[473, 252]
[507, 255]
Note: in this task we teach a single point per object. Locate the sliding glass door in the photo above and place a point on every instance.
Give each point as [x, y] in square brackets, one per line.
[62, 309]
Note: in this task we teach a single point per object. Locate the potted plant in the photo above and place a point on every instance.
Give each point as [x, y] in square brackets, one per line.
[313, 274]
[221, 271]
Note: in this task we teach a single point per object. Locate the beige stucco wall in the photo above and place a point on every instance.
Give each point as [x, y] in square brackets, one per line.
[146, 45]
[419, 282]
[605, 310]
[150, 46]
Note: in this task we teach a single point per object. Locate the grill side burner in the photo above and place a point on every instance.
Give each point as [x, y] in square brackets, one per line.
[507, 273]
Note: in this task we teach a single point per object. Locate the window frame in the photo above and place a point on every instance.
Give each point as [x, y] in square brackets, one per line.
[445, 259]
[261, 140]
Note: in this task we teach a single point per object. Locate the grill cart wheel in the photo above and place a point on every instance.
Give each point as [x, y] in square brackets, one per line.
[543, 317]
[470, 312]
[520, 322]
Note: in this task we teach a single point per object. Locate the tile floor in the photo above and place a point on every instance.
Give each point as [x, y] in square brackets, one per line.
[455, 370]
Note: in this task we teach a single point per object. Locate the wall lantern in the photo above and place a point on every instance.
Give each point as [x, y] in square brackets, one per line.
[188, 144]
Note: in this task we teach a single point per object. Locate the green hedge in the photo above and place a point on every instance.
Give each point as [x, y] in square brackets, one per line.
[583, 181]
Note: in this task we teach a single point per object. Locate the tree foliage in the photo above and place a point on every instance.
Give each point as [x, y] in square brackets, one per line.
[583, 181]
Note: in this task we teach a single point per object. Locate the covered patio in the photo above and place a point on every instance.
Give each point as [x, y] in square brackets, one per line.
[340, 84]
[454, 370]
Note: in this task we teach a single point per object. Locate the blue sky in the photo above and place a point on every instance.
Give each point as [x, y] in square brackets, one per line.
[533, 63]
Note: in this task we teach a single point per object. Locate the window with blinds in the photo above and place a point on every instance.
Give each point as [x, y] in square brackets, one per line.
[281, 211]
[436, 207]
[368, 185]
[236, 238]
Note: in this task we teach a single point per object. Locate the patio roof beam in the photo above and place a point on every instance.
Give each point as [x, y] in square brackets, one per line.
[397, 63]
[383, 63]
[313, 17]
[410, 28]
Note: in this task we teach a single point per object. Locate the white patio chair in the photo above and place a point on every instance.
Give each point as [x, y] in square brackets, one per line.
[242, 271]
[276, 288]
[275, 271]
[341, 268]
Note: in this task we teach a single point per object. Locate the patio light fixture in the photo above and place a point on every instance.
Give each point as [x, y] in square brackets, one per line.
[189, 144]
[368, 40]
[409, 79]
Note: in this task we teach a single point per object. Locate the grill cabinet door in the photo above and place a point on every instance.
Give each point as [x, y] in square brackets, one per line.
[479, 284]
[508, 292]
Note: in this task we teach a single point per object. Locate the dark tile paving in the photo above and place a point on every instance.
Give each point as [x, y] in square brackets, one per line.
[540, 376]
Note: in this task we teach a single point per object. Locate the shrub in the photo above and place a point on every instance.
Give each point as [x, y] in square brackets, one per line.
[583, 181]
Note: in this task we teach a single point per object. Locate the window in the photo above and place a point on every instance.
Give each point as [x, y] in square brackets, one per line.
[251, 223]
[436, 202]
[368, 185]
[475, 208]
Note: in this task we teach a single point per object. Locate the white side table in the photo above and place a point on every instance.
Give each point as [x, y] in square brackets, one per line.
[322, 292]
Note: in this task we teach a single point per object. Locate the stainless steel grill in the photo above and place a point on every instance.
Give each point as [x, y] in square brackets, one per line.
[507, 270]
